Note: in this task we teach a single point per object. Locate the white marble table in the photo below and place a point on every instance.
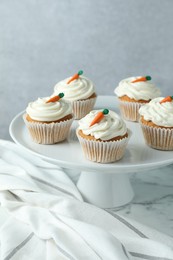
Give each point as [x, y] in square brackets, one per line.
[153, 202]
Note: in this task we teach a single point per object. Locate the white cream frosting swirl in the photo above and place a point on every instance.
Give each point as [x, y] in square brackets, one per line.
[109, 127]
[39, 110]
[144, 90]
[159, 114]
[81, 88]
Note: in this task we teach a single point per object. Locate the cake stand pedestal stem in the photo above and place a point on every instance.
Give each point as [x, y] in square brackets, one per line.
[105, 190]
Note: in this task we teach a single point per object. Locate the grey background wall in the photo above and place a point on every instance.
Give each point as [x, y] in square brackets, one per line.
[44, 41]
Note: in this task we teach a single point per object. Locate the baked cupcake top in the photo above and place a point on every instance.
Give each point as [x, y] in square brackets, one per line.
[137, 89]
[158, 111]
[44, 110]
[110, 126]
[75, 88]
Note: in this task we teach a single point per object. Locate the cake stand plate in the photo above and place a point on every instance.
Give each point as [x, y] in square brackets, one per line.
[105, 185]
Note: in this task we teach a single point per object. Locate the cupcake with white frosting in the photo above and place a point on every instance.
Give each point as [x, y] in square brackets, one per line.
[80, 92]
[48, 119]
[134, 92]
[103, 136]
[156, 119]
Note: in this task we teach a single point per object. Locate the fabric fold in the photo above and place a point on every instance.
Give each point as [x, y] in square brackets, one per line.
[48, 219]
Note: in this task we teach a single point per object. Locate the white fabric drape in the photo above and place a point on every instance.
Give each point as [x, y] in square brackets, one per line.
[43, 216]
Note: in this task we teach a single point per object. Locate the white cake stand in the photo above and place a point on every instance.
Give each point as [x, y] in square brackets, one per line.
[104, 185]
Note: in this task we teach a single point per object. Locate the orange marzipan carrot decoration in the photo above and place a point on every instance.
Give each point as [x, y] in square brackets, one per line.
[55, 98]
[75, 76]
[97, 118]
[166, 99]
[142, 79]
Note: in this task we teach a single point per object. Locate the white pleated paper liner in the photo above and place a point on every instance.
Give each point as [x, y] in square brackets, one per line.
[51, 133]
[129, 110]
[158, 138]
[103, 152]
[82, 107]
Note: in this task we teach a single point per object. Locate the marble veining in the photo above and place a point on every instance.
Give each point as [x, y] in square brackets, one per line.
[153, 201]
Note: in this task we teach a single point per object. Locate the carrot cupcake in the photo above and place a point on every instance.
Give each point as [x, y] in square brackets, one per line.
[48, 119]
[134, 92]
[80, 91]
[103, 136]
[156, 119]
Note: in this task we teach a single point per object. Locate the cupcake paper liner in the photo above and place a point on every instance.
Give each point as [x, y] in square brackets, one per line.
[129, 110]
[158, 138]
[51, 133]
[82, 107]
[103, 152]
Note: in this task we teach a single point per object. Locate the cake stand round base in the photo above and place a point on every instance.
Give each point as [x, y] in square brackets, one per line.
[105, 190]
